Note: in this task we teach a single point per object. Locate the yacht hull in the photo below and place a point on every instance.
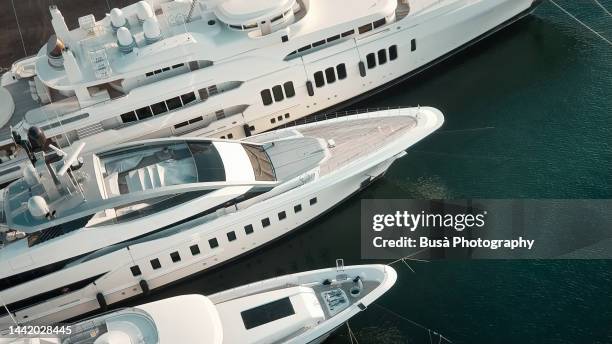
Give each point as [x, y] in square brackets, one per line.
[422, 40]
[140, 265]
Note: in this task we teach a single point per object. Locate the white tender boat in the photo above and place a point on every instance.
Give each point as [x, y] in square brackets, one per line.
[298, 308]
[85, 231]
[226, 68]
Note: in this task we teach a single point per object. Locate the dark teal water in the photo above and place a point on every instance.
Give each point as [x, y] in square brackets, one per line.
[527, 116]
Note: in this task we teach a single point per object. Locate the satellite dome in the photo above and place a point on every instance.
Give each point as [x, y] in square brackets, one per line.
[37, 138]
[151, 30]
[125, 40]
[144, 11]
[37, 206]
[117, 19]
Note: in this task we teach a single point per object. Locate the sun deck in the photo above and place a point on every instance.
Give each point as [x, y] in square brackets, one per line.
[355, 139]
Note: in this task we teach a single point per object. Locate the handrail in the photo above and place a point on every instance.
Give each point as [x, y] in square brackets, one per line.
[326, 116]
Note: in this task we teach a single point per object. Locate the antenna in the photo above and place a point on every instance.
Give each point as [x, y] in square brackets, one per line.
[71, 159]
[57, 150]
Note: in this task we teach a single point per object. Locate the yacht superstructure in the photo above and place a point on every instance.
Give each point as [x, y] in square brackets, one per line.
[87, 230]
[226, 68]
[298, 308]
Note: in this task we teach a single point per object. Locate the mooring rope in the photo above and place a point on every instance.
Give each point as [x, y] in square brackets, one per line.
[425, 328]
[352, 336]
[19, 28]
[581, 22]
[602, 7]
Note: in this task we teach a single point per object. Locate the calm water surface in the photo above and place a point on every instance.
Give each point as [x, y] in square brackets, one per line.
[527, 116]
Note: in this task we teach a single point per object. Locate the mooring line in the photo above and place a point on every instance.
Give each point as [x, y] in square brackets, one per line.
[429, 331]
[602, 7]
[19, 28]
[581, 22]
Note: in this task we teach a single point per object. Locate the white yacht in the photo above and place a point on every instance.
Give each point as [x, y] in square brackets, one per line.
[226, 68]
[298, 308]
[85, 231]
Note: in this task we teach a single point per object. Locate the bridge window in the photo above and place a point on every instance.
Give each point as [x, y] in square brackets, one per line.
[348, 33]
[333, 38]
[289, 90]
[188, 98]
[330, 75]
[144, 113]
[379, 23]
[129, 117]
[319, 43]
[365, 28]
[266, 97]
[159, 108]
[155, 264]
[382, 56]
[282, 215]
[393, 52]
[278, 93]
[371, 58]
[297, 208]
[265, 222]
[136, 271]
[341, 70]
[319, 80]
[248, 229]
[173, 103]
[195, 250]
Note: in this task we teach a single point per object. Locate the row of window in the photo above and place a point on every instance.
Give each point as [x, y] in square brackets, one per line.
[213, 243]
[277, 92]
[158, 108]
[165, 69]
[362, 29]
[330, 76]
[279, 118]
[254, 25]
[382, 56]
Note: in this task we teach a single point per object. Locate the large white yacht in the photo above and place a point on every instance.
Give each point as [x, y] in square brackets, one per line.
[299, 308]
[84, 232]
[226, 68]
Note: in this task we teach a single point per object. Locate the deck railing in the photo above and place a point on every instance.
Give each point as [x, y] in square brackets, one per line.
[326, 116]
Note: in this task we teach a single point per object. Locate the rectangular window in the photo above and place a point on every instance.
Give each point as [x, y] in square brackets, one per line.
[333, 38]
[282, 215]
[297, 208]
[175, 256]
[341, 70]
[231, 236]
[348, 33]
[165, 69]
[379, 23]
[129, 117]
[144, 113]
[149, 74]
[266, 97]
[157, 71]
[303, 48]
[289, 89]
[195, 250]
[265, 222]
[248, 229]
[371, 60]
[382, 56]
[313, 201]
[272, 120]
[173, 103]
[136, 271]
[159, 108]
[180, 125]
[188, 98]
[155, 264]
[319, 80]
[267, 313]
[195, 120]
[220, 114]
[365, 28]
[319, 43]
[203, 93]
[413, 45]
[213, 243]
[287, 115]
[393, 52]
[277, 91]
[178, 65]
[330, 75]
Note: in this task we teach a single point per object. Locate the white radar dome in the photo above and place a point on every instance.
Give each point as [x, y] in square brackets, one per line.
[38, 207]
[151, 30]
[144, 11]
[117, 18]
